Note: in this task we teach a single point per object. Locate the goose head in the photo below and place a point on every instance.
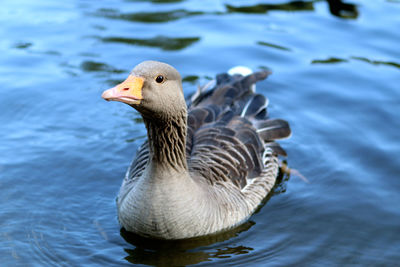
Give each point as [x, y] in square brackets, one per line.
[153, 88]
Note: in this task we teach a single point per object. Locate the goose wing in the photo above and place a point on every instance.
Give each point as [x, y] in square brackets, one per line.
[230, 137]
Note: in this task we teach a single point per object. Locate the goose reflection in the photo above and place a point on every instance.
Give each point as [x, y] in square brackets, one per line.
[183, 252]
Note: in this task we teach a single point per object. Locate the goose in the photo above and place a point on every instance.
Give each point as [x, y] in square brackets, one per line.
[207, 163]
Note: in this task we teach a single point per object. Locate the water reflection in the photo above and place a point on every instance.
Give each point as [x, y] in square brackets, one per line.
[149, 17]
[281, 180]
[22, 45]
[182, 252]
[333, 60]
[92, 66]
[336, 7]
[263, 8]
[273, 46]
[342, 10]
[190, 79]
[330, 60]
[158, 1]
[377, 62]
[163, 42]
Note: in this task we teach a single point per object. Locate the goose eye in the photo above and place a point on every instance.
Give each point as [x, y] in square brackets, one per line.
[160, 79]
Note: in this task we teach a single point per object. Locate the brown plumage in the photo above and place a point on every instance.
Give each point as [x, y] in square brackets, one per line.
[206, 167]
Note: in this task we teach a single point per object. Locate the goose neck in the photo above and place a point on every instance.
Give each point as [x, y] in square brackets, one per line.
[167, 141]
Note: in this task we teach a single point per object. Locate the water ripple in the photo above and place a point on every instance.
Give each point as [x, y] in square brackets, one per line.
[22, 45]
[92, 66]
[147, 17]
[264, 8]
[336, 7]
[160, 41]
[280, 47]
[377, 62]
[333, 60]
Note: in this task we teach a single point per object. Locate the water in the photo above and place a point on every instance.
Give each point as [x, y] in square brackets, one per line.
[64, 151]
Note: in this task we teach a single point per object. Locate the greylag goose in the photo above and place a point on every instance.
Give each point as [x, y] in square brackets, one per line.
[207, 165]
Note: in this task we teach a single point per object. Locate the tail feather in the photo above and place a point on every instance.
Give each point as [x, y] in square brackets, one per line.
[276, 148]
[249, 80]
[254, 106]
[273, 129]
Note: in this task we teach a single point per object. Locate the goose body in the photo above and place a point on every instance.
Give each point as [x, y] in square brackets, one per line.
[208, 164]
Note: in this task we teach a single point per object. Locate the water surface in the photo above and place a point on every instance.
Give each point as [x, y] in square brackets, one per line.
[64, 151]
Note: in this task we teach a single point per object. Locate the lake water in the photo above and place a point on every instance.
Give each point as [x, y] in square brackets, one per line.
[64, 150]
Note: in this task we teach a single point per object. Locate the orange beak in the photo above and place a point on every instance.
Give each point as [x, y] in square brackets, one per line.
[129, 91]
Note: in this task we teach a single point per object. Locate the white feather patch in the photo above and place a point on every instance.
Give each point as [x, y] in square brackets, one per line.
[242, 70]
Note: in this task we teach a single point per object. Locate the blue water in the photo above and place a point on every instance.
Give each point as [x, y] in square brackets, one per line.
[64, 150]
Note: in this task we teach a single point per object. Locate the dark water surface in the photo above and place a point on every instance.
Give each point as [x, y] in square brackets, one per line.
[64, 151]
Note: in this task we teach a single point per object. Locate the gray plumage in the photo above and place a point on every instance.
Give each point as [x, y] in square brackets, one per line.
[205, 168]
